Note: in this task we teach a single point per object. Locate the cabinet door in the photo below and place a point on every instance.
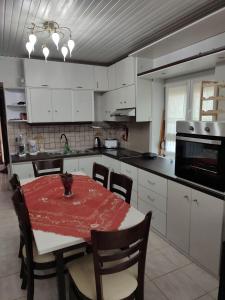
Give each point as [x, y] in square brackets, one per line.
[62, 105]
[83, 106]
[126, 97]
[131, 172]
[86, 164]
[70, 165]
[112, 164]
[112, 77]
[101, 78]
[125, 72]
[23, 170]
[83, 76]
[206, 230]
[38, 73]
[39, 105]
[178, 215]
[111, 100]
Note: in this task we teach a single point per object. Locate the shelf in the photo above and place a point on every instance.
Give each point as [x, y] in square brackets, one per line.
[216, 98]
[16, 105]
[17, 121]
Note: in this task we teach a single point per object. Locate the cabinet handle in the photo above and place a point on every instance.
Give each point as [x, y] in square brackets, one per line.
[56, 110]
[150, 182]
[121, 102]
[125, 101]
[44, 84]
[123, 83]
[97, 84]
[186, 197]
[79, 87]
[77, 110]
[49, 110]
[196, 202]
[151, 199]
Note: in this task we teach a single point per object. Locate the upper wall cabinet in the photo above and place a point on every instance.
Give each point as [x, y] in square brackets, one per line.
[83, 106]
[101, 78]
[112, 77]
[38, 73]
[82, 76]
[125, 72]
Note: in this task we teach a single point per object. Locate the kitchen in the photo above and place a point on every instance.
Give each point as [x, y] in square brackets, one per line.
[121, 112]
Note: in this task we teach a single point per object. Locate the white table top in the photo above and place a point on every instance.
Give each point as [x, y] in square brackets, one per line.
[47, 241]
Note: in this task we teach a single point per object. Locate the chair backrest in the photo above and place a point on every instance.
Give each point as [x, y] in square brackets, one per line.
[14, 182]
[100, 173]
[130, 245]
[121, 181]
[24, 225]
[47, 167]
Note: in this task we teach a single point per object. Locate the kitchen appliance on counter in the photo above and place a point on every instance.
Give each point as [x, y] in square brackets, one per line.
[32, 146]
[200, 153]
[111, 143]
[20, 145]
[97, 143]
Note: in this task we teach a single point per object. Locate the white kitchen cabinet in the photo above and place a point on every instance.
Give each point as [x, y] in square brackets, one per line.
[152, 198]
[125, 72]
[153, 182]
[23, 170]
[134, 199]
[37, 73]
[86, 163]
[178, 215]
[101, 78]
[62, 105]
[111, 163]
[112, 77]
[110, 101]
[158, 218]
[131, 172]
[125, 97]
[206, 230]
[83, 76]
[70, 164]
[83, 106]
[143, 100]
[39, 105]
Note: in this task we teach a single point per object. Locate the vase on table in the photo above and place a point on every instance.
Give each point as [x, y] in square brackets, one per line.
[67, 181]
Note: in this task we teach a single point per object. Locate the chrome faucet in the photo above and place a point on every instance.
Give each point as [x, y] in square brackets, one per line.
[66, 145]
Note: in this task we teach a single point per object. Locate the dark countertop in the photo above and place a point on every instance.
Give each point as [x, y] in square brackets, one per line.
[159, 166]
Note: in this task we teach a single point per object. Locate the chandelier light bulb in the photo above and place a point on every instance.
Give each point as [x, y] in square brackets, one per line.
[71, 45]
[64, 51]
[45, 51]
[56, 38]
[29, 47]
[33, 40]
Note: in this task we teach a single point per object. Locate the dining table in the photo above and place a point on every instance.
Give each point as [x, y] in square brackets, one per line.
[60, 223]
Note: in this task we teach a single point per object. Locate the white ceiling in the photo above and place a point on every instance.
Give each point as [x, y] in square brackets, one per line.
[104, 30]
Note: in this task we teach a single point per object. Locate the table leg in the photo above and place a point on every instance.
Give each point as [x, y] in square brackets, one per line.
[60, 275]
[221, 295]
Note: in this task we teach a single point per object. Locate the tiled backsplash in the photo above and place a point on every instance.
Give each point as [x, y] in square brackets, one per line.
[48, 137]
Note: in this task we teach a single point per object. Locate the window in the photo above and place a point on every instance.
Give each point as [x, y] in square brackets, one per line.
[176, 107]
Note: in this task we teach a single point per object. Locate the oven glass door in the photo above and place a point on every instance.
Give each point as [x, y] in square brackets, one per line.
[201, 159]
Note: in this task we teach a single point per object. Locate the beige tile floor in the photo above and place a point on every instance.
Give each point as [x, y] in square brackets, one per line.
[169, 274]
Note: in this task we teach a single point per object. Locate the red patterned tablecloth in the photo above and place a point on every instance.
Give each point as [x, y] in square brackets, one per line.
[90, 207]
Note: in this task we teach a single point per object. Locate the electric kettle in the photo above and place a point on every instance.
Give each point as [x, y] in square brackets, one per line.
[97, 142]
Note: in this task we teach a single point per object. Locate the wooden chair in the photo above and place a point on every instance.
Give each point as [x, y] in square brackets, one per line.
[14, 182]
[47, 167]
[100, 173]
[119, 256]
[124, 183]
[31, 260]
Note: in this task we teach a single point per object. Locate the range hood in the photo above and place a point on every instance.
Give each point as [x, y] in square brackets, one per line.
[124, 112]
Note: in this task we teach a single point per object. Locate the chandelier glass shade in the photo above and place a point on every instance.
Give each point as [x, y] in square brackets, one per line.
[55, 33]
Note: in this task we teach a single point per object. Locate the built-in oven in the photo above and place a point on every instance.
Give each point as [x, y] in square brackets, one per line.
[200, 153]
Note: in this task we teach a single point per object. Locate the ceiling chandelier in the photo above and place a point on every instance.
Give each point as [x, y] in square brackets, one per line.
[55, 32]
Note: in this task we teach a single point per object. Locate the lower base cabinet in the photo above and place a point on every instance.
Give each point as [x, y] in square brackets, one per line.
[86, 163]
[194, 224]
[23, 170]
[70, 165]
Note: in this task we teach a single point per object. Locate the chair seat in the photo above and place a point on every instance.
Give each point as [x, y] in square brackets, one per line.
[115, 286]
[49, 257]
